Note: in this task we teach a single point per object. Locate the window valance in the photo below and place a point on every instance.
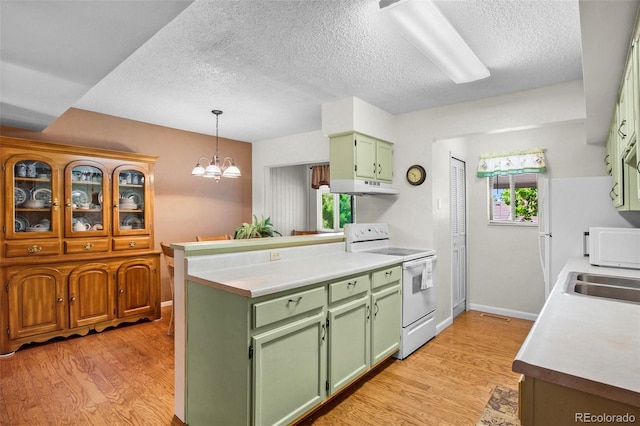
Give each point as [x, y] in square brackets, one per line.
[511, 163]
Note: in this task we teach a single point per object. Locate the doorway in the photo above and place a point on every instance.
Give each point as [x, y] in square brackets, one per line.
[458, 197]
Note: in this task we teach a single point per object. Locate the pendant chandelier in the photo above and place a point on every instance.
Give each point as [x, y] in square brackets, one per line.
[215, 168]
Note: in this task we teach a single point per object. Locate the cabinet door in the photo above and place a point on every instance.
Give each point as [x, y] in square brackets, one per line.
[386, 322]
[37, 302]
[131, 198]
[365, 157]
[289, 368]
[32, 197]
[384, 156]
[91, 295]
[617, 189]
[137, 288]
[349, 348]
[85, 191]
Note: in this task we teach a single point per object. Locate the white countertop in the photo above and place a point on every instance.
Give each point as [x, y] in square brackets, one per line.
[261, 279]
[586, 343]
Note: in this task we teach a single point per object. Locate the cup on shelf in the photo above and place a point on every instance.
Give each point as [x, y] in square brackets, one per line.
[85, 206]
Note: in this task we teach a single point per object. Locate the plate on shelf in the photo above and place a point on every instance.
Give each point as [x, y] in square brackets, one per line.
[133, 221]
[21, 223]
[43, 194]
[20, 195]
[79, 197]
[137, 200]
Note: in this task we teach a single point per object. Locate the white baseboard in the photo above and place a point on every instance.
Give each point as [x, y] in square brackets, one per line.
[444, 324]
[166, 303]
[501, 311]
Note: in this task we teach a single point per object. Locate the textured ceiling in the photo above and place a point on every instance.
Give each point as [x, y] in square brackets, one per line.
[270, 65]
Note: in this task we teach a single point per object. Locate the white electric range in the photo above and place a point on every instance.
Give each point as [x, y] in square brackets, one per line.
[418, 281]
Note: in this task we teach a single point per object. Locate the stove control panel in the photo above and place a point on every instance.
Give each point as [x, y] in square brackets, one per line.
[359, 232]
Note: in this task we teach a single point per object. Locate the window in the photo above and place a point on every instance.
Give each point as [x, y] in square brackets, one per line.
[334, 210]
[513, 198]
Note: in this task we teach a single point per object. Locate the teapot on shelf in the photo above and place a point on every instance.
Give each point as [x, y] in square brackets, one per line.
[80, 226]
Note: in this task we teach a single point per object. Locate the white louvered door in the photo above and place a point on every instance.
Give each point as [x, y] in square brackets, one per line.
[458, 236]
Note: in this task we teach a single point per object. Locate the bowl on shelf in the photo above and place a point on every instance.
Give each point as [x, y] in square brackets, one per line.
[33, 204]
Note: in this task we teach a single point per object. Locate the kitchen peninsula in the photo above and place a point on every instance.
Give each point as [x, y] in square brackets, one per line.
[269, 329]
[581, 356]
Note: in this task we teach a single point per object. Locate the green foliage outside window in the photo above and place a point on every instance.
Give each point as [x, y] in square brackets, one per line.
[526, 202]
[328, 214]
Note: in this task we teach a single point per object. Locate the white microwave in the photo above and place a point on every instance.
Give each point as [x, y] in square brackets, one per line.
[616, 247]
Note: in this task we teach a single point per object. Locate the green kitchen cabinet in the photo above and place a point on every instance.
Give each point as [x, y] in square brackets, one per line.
[386, 319]
[289, 367]
[358, 156]
[269, 360]
[348, 342]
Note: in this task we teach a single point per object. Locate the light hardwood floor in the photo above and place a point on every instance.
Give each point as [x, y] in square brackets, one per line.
[124, 376]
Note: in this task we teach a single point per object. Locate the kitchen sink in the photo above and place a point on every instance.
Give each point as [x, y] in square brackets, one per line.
[605, 286]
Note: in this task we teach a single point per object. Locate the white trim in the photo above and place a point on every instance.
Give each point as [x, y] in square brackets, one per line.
[444, 324]
[502, 311]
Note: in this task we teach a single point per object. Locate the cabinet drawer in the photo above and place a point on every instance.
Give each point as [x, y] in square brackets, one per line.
[349, 287]
[131, 243]
[387, 276]
[31, 248]
[268, 312]
[86, 246]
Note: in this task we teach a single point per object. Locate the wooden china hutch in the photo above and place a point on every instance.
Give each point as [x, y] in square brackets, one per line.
[77, 249]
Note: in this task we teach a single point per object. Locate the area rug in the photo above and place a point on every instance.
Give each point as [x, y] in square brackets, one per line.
[501, 409]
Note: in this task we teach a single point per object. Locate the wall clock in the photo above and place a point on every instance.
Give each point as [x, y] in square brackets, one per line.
[416, 175]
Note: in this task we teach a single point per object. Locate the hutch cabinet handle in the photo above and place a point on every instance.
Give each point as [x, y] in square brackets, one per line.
[68, 203]
[59, 300]
[55, 204]
[132, 243]
[296, 300]
[87, 246]
[34, 249]
[121, 291]
[73, 298]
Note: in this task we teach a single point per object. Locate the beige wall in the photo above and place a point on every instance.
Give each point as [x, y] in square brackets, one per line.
[185, 206]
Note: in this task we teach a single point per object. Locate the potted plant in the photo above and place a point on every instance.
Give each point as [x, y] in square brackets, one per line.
[258, 229]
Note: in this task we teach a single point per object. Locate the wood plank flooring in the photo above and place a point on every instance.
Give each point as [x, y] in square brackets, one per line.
[124, 376]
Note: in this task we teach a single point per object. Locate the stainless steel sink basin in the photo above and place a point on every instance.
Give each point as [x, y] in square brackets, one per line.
[605, 286]
[608, 280]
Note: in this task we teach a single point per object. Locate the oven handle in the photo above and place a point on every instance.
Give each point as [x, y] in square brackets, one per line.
[418, 262]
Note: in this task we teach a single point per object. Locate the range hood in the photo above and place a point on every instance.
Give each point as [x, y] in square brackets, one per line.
[361, 187]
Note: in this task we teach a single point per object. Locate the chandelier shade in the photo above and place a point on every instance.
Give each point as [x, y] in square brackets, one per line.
[215, 168]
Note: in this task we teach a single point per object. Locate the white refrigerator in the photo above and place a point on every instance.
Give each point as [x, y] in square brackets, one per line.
[567, 207]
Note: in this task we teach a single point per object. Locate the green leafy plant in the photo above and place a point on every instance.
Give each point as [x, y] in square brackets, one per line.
[526, 202]
[258, 229]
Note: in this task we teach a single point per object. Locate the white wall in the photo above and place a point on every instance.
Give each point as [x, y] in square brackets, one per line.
[419, 216]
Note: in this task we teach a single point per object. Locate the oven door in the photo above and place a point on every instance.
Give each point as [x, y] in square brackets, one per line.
[418, 289]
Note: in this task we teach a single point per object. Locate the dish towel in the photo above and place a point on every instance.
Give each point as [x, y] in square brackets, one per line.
[427, 275]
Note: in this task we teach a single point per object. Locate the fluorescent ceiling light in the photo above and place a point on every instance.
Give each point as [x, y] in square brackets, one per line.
[424, 26]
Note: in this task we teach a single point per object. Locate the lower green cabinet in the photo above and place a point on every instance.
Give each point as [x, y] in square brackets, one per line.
[348, 342]
[386, 314]
[289, 370]
[270, 360]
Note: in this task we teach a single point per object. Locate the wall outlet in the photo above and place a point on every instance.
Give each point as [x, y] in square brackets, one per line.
[275, 255]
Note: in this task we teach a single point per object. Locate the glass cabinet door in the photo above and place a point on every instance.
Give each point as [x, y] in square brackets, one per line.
[130, 194]
[85, 191]
[32, 203]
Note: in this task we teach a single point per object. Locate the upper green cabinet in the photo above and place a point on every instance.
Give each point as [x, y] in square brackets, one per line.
[622, 161]
[358, 156]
